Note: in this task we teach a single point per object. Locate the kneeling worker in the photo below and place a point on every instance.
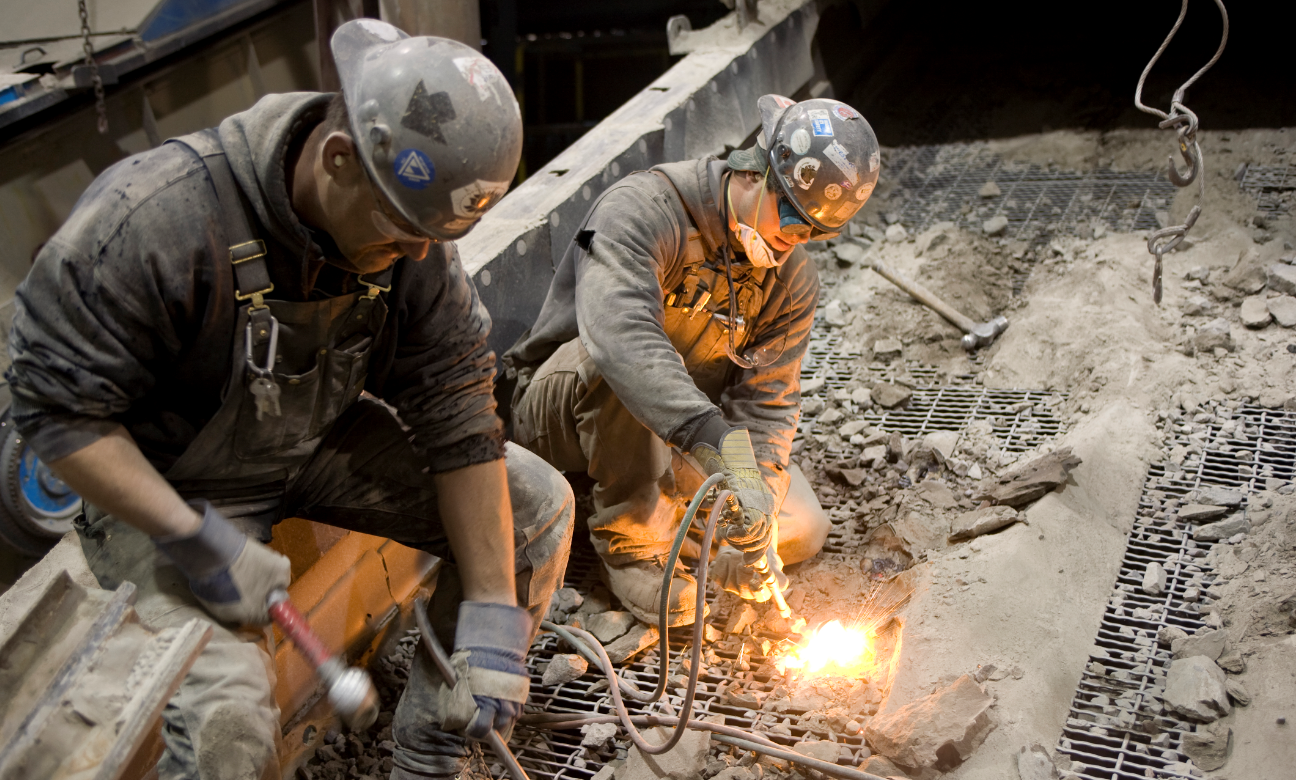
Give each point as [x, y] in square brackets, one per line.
[189, 353]
[675, 324]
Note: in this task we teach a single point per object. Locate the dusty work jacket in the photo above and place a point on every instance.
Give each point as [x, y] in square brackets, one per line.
[128, 315]
[643, 285]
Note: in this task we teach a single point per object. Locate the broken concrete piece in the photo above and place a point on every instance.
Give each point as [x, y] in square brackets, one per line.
[849, 253]
[1283, 309]
[1237, 693]
[834, 314]
[862, 397]
[682, 762]
[1208, 748]
[1154, 579]
[938, 732]
[823, 750]
[1254, 313]
[1167, 635]
[597, 735]
[1030, 481]
[882, 767]
[887, 348]
[852, 477]
[566, 600]
[1214, 335]
[635, 641]
[1197, 305]
[943, 442]
[853, 427]
[896, 233]
[1282, 278]
[1035, 764]
[889, 396]
[989, 190]
[1210, 644]
[995, 225]
[1195, 688]
[1213, 532]
[742, 618]
[564, 668]
[608, 626]
[922, 530]
[1232, 662]
[1198, 513]
[1218, 496]
[979, 522]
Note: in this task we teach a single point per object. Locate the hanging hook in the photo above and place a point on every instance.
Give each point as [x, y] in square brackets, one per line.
[1192, 155]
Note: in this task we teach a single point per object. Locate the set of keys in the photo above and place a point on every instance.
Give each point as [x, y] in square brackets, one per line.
[265, 391]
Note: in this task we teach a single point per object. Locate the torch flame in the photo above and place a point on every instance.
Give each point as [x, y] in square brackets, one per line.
[832, 649]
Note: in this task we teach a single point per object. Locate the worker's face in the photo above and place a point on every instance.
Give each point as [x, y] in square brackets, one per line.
[367, 230]
[765, 197]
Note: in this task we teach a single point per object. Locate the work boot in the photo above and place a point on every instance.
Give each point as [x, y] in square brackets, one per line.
[474, 769]
[638, 585]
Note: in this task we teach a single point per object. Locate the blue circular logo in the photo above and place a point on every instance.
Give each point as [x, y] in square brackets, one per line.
[414, 169]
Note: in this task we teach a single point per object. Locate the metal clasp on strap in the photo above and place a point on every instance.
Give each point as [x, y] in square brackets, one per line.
[244, 253]
[374, 288]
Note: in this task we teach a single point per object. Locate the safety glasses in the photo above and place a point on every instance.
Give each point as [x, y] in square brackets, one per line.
[391, 225]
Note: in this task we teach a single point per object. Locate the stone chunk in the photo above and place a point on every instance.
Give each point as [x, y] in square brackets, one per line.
[896, 233]
[989, 190]
[1197, 305]
[563, 669]
[887, 348]
[1254, 313]
[1208, 749]
[889, 396]
[1283, 309]
[995, 225]
[852, 477]
[823, 750]
[1218, 496]
[881, 766]
[1154, 579]
[1167, 635]
[851, 428]
[1237, 693]
[596, 735]
[1035, 764]
[848, 253]
[1030, 481]
[873, 453]
[742, 618]
[1198, 513]
[1230, 526]
[1195, 688]
[1282, 277]
[1210, 644]
[1232, 662]
[979, 522]
[607, 626]
[682, 762]
[1214, 335]
[938, 732]
[635, 641]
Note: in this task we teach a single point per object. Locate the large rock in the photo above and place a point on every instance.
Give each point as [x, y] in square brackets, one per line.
[896, 233]
[938, 732]
[609, 626]
[1208, 748]
[1197, 305]
[635, 641]
[1282, 277]
[881, 766]
[1229, 526]
[1219, 496]
[1030, 481]
[1214, 335]
[1154, 579]
[1198, 513]
[564, 668]
[979, 522]
[889, 396]
[682, 762]
[1283, 309]
[1195, 689]
[1254, 313]
[995, 225]
[849, 253]
[824, 750]
[1210, 644]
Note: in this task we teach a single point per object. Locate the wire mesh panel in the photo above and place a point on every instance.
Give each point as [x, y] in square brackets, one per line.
[1272, 185]
[1117, 727]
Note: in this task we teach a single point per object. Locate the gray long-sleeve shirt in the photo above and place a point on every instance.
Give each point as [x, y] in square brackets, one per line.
[128, 315]
[632, 250]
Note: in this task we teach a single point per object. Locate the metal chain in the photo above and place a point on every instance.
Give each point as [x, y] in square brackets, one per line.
[1167, 238]
[100, 106]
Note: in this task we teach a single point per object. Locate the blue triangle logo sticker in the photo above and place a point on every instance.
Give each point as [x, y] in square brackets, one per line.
[414, 169]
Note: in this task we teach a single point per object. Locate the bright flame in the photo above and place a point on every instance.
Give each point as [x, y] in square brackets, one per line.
[833, 649]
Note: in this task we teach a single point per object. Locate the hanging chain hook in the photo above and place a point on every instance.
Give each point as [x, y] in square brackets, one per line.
[1185, 121]
[101, 107]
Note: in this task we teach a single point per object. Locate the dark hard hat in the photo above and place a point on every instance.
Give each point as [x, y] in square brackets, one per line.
[435, 122]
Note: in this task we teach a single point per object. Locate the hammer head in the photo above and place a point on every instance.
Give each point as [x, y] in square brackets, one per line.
[351, 693]
[983, 335]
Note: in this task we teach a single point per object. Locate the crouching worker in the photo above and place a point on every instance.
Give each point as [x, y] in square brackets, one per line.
[676, 325]
[189, 354]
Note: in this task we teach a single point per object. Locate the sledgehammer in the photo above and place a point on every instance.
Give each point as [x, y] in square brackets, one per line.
[975, 334]
[350, 690]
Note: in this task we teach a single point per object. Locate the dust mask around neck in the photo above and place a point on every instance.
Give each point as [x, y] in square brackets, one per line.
[758, 251]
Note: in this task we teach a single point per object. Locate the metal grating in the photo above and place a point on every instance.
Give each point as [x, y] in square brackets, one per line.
[1116, 729]
[1272, 186]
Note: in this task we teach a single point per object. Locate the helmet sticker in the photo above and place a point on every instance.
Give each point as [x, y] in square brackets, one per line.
[820, 122]
[425, 113]
[875, 160]
[783, 102]
[414, 169]
[836, 154]
[483, 76]
[800, 141]
[847, 210]
[845, 112]
[864, 191]
[380, 30]
[473, 199]
[832, 192]
[804, 173]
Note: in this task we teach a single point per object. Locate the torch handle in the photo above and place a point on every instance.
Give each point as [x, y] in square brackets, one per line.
[294, 624]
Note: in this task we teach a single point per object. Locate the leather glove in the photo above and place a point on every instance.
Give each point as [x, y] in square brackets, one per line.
[491, 643]
[732, 574]
[230, 574]
[737, 460]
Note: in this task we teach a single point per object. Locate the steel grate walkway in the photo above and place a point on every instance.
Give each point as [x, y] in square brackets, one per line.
[1116, 729]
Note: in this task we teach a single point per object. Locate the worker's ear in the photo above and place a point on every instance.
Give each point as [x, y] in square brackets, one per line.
[339, 158]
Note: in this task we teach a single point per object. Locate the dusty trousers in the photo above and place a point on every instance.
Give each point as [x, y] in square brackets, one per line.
[223, 723]
[568, 415]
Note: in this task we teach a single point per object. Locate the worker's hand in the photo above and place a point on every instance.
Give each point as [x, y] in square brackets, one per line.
[231, 575]
[737, 460]
[731, 573]
[491, 643]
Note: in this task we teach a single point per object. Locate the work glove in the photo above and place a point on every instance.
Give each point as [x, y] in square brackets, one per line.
[231, 575]
[736, 459]
[489, 660]
[733, 574]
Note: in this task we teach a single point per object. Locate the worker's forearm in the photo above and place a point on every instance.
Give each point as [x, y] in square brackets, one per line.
[478, 518]
[114, 475]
